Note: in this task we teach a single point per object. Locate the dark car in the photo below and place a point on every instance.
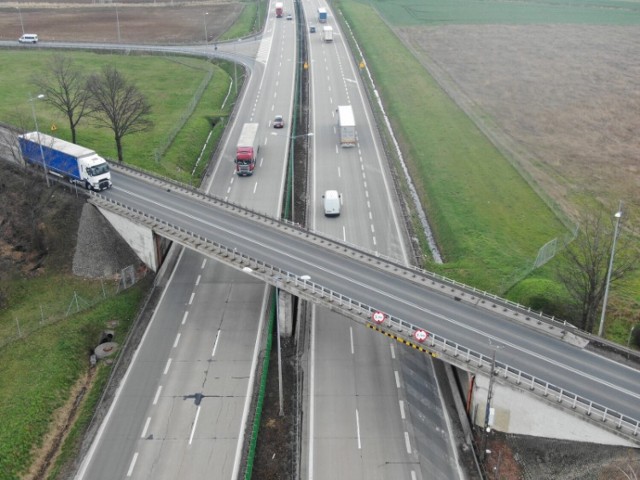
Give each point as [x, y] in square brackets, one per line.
[312, 28]
[278, 122]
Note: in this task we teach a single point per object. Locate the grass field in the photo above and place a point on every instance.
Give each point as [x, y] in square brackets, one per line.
[459, 12]
[169, 83]
[488, 222]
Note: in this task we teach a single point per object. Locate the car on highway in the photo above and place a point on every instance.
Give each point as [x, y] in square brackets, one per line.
[278, 121]
[312, 28]
[331, 203]
[289, 16]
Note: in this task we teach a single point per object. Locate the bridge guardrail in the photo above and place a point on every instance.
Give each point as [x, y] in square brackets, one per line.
[397, 328]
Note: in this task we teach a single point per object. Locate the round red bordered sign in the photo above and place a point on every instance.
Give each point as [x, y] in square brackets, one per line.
[378, 317]
[420, 335]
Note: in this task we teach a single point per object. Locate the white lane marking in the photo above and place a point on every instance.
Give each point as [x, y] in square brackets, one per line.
[193, 294]
[383, 294]
[146, 426]
[402, 414]
[339, 172]
[94, 445]
[155, 399]
[184, 317]
[215, 343]
[166, 369]
[204, 262]
[312, 392]
[344, 234]
[133, 464]
[393, 350]
[198, 280]
[397, 375]
[413, 475]
[407, 442]
[358, 430]
[195, 422]
[255, 187]
[351, 337]
[175, 344]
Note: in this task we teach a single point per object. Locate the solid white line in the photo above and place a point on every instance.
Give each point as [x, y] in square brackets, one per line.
[215, 343]
[402, 416]
[195, 422]
[184, 317]
[94, 445]
[133, 464]
[351, 336]
[166, 369]
[155, 399]
[193, 294]
[312, 391]
[407, 442]
[146, 426]
[395, 372]
[358, 430]
[198, 280]
[175, 344]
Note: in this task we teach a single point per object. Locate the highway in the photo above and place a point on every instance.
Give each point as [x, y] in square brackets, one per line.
[530, 350]
[182, 408]
[371, 408]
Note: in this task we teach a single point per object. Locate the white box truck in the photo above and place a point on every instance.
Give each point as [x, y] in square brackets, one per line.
[327, 33]
[346, 126]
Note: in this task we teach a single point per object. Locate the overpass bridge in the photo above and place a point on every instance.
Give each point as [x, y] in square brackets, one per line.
[425, 311]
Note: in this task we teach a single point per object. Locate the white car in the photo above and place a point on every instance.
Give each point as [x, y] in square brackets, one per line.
[289, 16]
[28, 38]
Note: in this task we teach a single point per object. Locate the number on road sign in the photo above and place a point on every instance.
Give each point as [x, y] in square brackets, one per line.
[420, 335]
[378, 317]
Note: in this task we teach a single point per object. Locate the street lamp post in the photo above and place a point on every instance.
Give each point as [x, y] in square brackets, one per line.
[35, 120]
[486, 429]
[618, 214]
[117, 22]
[21, 22]
[629, 339]
[204, 18]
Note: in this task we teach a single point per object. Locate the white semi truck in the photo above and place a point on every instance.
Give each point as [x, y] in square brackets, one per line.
[346, 126]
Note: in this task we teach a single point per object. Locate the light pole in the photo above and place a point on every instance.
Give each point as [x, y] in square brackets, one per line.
[629, 339]
[35, 120]
[618, 214]
[204, 18]
[21, 22]
[117, 22]
[487, 429]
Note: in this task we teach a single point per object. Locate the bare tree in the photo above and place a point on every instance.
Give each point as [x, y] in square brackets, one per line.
[584, 271]
[118, 104]
[65, 88]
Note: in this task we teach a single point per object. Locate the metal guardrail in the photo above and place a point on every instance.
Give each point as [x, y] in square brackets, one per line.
[397, 328]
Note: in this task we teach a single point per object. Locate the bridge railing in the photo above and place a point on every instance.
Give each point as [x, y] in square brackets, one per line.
[395, 327]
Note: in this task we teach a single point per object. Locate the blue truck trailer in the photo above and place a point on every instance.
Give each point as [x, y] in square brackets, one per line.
[322, 15]
[77, 164]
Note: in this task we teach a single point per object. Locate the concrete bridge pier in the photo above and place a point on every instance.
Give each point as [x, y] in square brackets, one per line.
[285, 313]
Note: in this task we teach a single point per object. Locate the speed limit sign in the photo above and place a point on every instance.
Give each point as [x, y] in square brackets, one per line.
[378, 317]
[420, 335]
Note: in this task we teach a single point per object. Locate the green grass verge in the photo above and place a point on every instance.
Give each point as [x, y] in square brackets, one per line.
[488, 221]
[170, 84]
[244, 25]
[38, 372]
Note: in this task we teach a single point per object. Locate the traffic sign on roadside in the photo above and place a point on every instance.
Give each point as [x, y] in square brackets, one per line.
[378, 317]
[420, 335]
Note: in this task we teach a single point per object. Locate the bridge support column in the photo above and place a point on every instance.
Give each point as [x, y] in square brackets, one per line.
[285, 313]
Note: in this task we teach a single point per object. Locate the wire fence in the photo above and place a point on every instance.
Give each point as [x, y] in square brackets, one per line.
[20, 327]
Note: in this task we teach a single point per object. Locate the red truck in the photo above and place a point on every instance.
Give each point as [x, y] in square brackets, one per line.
[279, 9]
[247, 149]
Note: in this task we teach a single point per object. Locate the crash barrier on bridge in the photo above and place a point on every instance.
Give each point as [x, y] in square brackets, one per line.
[447, 286]
[396, 328]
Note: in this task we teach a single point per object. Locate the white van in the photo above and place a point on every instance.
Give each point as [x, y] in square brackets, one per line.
[28, 38]
[331, 203]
